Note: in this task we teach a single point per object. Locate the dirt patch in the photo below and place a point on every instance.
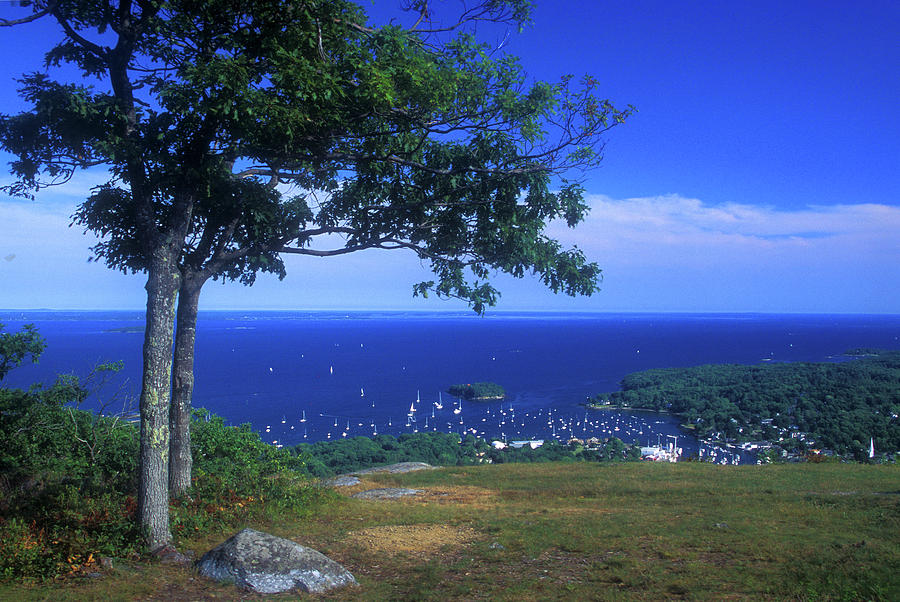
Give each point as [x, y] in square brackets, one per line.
[394, 539]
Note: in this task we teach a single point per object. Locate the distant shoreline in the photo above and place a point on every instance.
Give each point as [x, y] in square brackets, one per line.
[612, 406]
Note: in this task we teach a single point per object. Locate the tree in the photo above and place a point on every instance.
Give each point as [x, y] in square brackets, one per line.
[239, 227]
[416, 138]
[14, 348]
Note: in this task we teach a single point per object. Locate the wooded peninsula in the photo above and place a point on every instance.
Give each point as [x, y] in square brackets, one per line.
[839, 406]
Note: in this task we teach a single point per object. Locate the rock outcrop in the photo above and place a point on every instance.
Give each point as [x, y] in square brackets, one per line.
[343, 480]
[385, 493]
[267, 564]
[396, 468]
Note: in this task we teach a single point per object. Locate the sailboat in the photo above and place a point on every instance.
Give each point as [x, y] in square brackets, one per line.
[361, 392]
[439, 404]
[303, 418]
[871, 447]
[458, 408]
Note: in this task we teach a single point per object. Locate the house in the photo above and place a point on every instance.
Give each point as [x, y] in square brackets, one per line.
[533, 444]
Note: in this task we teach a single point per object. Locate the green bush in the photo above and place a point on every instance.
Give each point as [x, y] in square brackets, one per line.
[237, 477]
[68, 476]
[45, 438]
[235, 454]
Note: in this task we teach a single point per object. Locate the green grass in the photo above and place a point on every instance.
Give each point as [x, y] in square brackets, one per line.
[588, 531]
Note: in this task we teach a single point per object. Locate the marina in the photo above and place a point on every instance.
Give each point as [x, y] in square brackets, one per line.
[660, 436]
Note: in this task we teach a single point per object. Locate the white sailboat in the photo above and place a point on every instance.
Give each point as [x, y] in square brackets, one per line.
[303, 417]
[411, 415]
[458, 408]
[439, 404]
[871, 447]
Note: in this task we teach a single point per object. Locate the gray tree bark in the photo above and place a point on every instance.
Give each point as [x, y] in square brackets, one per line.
[181, 461]
[153, 495]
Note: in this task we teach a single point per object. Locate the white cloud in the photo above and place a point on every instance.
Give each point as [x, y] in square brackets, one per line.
[681, 229]
[671, 252]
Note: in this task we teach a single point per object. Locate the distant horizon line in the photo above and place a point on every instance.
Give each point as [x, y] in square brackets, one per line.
[469, 311]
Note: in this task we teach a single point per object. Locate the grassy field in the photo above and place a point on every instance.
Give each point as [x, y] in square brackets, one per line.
[634, 531]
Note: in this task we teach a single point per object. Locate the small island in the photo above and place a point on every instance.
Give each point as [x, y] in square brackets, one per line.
[478, 391]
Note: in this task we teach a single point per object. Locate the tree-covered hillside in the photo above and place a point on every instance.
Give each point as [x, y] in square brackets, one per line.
[839, 405]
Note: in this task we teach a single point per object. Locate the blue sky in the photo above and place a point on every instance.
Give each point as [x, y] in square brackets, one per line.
[761, 173]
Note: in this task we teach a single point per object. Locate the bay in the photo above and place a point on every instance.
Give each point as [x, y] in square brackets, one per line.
[358, 373]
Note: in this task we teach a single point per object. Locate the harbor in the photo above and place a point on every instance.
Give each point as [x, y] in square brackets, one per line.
[659, 435]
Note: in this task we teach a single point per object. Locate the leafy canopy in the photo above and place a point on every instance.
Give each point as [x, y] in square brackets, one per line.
[387, 137]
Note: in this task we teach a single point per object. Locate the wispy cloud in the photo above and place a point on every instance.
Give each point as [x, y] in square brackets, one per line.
[675, 230]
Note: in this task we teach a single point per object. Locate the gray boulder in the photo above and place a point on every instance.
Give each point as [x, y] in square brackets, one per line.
[267, 564]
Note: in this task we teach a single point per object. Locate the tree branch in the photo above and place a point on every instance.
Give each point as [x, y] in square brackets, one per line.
[95, 49]
[33, 17]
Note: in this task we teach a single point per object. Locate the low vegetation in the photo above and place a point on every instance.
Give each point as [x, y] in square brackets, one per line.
[68, 489]
[636, 531]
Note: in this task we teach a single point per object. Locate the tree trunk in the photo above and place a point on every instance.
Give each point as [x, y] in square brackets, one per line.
[183, 386]
[153, 494]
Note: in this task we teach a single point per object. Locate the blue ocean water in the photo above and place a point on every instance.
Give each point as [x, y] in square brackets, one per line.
[358, 373]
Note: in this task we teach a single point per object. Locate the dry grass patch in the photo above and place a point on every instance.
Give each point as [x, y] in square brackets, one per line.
[472, 497]
[410, 539]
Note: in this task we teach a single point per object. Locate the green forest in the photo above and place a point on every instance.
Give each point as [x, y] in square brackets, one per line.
[327, 458]
[837, 405]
